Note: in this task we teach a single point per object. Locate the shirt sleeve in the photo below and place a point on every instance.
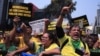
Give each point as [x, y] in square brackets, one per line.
[52, 46]
[60, 32]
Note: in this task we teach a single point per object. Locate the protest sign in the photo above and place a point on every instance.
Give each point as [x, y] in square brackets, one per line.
[37, 26]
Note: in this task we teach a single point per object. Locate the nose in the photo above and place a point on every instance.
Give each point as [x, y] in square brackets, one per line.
[77, 31]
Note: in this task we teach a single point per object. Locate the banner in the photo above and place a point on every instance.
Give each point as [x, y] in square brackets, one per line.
[53, 24]
[37, 26]
[22, 10]
[82, 21]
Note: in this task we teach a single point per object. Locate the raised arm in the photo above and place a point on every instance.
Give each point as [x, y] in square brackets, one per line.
[47, 22]
[27, 36]
[59, 29]
[64, 11]
[12, 33]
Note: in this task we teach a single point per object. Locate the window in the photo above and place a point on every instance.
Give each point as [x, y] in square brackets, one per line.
[98, 30]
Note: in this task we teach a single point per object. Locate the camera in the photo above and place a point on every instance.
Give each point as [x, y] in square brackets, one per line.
[19, 29]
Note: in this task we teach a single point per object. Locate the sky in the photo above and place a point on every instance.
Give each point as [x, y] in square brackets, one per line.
[83, 7]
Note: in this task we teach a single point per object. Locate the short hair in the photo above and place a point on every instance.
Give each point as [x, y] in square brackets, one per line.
[74, 25]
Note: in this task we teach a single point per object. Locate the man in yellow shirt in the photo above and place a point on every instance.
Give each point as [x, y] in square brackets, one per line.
[72, 44]
[17, 35]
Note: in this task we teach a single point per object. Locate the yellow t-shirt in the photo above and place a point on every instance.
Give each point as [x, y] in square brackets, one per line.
[68, 49]
[22, 43]
[36, 41]
[52, 46]
[1, 40]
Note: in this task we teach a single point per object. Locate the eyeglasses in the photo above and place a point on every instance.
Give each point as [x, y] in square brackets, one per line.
[44, 37]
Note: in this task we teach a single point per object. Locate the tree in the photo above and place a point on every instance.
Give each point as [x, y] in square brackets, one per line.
[53, 9]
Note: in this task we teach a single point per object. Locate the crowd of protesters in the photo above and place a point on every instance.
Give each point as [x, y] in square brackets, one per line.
[20, 42]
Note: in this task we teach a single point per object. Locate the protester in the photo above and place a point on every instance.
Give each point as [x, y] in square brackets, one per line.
[2, 44]
[94, 45]
[30, 43]
[48, 46]
[71, 44]
[8, 45]
[18, 35]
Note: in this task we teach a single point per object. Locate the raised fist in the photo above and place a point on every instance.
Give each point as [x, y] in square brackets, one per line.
[16, 19]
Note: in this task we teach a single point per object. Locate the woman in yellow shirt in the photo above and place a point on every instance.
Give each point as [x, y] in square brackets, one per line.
[50, 44]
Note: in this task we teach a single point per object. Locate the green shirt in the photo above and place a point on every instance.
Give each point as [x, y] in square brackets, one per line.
[4, 48]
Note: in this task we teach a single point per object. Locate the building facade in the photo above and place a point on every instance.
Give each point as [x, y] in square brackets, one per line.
[97, 22]
[4, 4]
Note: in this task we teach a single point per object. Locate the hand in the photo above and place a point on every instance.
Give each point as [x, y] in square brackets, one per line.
[47, 22]
[41, 54]
[97, 44]
[65, 10]
[16, 19]
[23, 25]
[11, 54]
